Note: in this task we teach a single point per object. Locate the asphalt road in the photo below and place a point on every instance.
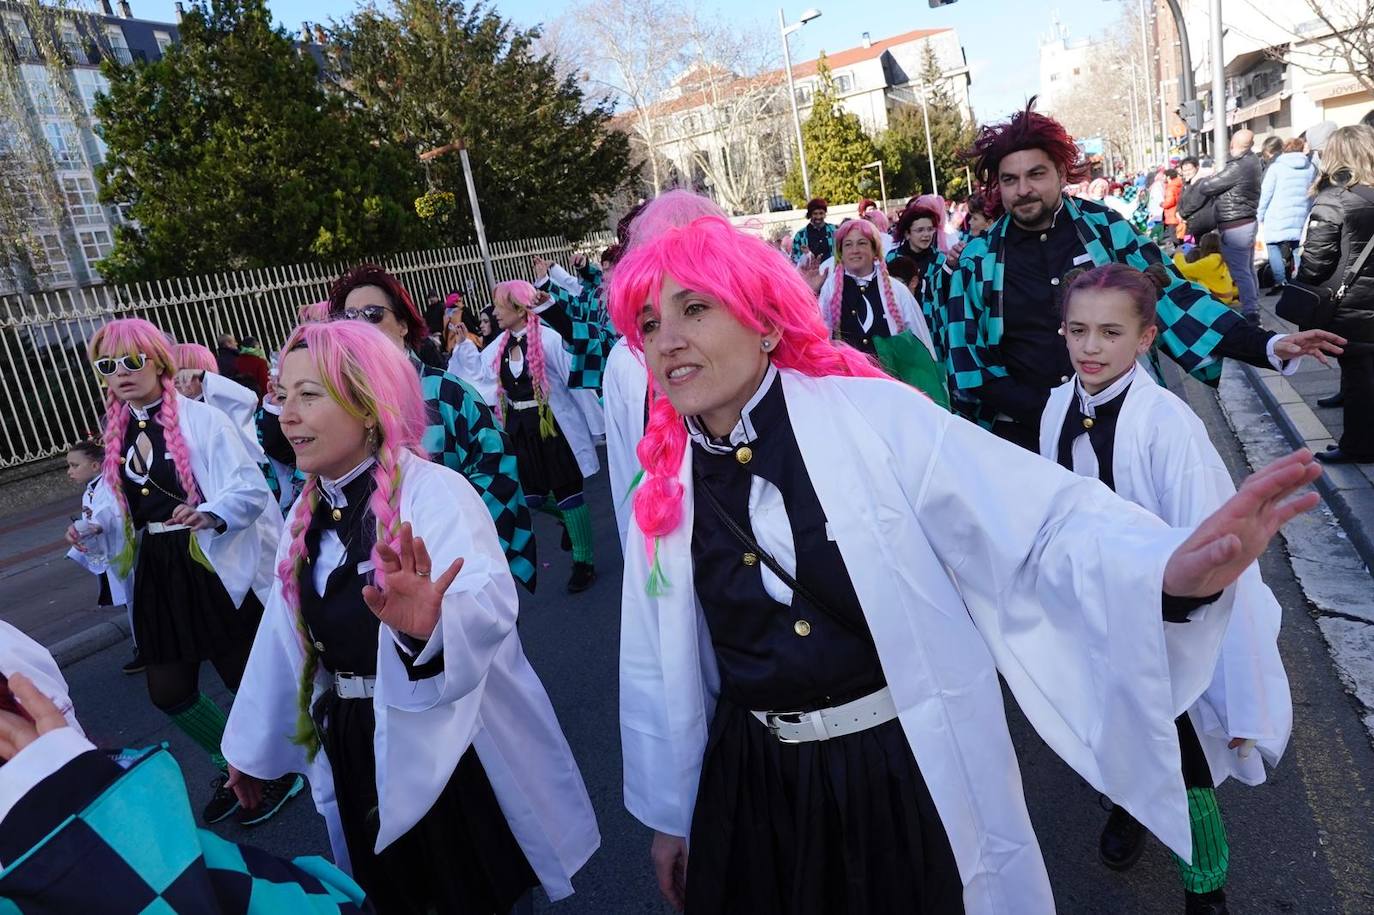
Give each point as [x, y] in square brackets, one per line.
[1303, 842]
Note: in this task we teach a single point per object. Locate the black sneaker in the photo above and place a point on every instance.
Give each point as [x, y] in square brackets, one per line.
[1213, 903]
[136, 664]
[1122, 842]
[566, 543]
[1333, 400]
[275, 794]
[222, 801]
[583, 574]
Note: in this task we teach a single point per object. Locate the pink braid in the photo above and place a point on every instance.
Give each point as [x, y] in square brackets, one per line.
[176, 444]
[534, 350]
[289, 572]
[496, 368]
[893, 308]
[832, 308]
[116, 420]
[658, 500]
[385, 506]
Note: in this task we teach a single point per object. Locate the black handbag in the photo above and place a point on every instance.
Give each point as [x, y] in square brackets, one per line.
[1312, 307]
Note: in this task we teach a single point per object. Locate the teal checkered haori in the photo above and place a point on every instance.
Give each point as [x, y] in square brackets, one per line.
[136, 849]
[799, 248]
[1191, 321]
[592, 333]
[462, 435]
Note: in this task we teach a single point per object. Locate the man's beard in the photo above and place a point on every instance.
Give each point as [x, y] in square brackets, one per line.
[1040, 216]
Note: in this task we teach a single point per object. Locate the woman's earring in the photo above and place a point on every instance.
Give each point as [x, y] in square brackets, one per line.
[767, 345]
[373, 438]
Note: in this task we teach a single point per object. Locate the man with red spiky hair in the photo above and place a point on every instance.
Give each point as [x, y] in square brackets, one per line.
[1005, 353]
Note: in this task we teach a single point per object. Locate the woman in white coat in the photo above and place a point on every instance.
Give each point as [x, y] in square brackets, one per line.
[859, 301]
[1112, 422]
[526, 382]
[198, 378]
[831, 573]
[187, 512]
[389, 643]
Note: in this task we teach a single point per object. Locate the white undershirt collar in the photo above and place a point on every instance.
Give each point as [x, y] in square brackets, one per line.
[1088, 403]
[743, 433]
[142, 412]
[333, 490]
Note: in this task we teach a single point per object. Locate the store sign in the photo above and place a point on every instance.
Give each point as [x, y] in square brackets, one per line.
[1348, 86]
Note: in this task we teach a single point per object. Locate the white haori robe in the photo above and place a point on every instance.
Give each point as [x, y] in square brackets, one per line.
[905, 303]
[970, 558]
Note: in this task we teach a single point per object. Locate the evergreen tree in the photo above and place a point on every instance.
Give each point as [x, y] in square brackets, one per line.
[435, 71]
[837, 149]
[229, 154]
[902, 146]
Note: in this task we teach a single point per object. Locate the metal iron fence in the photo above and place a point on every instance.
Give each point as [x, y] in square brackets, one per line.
[50, 397]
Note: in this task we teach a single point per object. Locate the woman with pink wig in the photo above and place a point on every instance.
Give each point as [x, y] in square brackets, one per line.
[523, 374]
[198, 378]
[389, 643]
[859, 301]
[187, 515]
[817, 604]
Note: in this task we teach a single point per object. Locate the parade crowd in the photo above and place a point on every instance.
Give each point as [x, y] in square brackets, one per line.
[863, 476]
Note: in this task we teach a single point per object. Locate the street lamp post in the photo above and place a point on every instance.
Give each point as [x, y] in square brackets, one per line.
[930, 149]
[1219, 142]
[882, 182]
[786, 30]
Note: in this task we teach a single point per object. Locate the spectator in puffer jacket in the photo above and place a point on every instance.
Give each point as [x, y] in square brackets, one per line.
[1236, 190]
[1284, 204]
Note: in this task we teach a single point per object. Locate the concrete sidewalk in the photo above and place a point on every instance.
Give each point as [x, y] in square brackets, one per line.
[1348, 489]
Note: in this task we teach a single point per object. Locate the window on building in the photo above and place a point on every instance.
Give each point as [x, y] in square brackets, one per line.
[164, 41]
[1054, 77]
[96, 244]
[71, 43]
[844, 82]
[804, 94]
[118, 46]
[50, 261]
[1075, 71]
[83, 203]
[41, 90]
[65, 143]
[90, 83]
[18, 31]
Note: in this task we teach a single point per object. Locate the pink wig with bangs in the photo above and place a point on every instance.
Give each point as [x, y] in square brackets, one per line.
[314, 312]
[197, 357]
[522, 296]
[131, 337]
[761, 289]
[869, 231]
[669, 210]
[373, 380]
[936, 204]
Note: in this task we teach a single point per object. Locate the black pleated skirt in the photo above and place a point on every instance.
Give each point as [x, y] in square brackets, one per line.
[182, 611]
[546, 465]
[461, 858]
[820, 828]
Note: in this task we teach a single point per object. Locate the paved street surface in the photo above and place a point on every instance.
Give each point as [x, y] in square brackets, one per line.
[1301, 843]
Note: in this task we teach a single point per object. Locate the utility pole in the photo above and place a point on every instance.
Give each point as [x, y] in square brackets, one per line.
[1219, 139]
[461, 147]
[785, 30]
[1186, 90]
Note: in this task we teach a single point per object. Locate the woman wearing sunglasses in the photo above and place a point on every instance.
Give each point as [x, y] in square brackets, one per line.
[185, 509]
[389, 644]
[461, 433]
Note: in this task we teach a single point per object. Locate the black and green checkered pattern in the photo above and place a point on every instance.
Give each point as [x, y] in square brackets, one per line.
[799, 247]
[135, 850]
[1191, 321]
[592, 334]
[462, 435]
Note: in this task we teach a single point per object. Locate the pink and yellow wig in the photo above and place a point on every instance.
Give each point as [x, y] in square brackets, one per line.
[521, 296]
[869, 231]
[314, 312]
[130, 337]
[759, 286]
[197, 357]
[367, 375]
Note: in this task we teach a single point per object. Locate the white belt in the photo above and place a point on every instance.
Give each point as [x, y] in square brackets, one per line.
[160, 527]
[353, 686]
[823, 724]
[524, 404]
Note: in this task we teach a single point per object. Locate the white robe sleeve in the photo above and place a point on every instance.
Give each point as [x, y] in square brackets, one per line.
[625, 385]
[913, 316]
[466, 362]
[236, 490]
[565, 279]
[237, 402]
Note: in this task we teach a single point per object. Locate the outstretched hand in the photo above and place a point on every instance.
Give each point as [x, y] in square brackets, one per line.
[36, 715]
[1233, 536]
[411, 601]
[1316, 343]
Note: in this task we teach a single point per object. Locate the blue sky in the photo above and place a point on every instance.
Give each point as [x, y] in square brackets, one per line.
[1000, 37]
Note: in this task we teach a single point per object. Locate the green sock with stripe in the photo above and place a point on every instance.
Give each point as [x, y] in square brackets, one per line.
[579, 522]
[203, 721]
[1211, 851]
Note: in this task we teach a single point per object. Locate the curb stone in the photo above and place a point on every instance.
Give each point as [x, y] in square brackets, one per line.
[88, 641]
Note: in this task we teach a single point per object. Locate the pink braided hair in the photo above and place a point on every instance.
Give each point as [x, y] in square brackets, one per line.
[116, 419]
[832, 307]
[523, 295]
[176, 443]
[371, 379]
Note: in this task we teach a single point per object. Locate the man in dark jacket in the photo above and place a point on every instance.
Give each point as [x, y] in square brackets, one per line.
[1236, 190]
[227, 355]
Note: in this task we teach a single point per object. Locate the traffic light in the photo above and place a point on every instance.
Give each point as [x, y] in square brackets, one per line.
[1191, 113]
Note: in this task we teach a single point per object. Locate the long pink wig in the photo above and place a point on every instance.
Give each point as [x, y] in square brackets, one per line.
[761, 289]
[367, 375]
[130, 337]
[195, 356]
[869, 231]
[524, 297]
[669, 210]
[878, 218]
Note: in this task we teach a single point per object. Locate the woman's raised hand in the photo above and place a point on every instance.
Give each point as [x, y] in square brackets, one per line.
[411, 601]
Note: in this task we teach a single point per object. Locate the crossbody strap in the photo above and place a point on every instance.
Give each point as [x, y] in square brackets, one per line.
[1357, 268]
[752, 545]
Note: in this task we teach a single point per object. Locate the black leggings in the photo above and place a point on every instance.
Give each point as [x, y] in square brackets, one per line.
[174, 686]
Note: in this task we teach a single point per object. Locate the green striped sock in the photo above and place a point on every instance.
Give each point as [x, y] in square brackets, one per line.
[579, 522]
[203, 721]
[1211, 851]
